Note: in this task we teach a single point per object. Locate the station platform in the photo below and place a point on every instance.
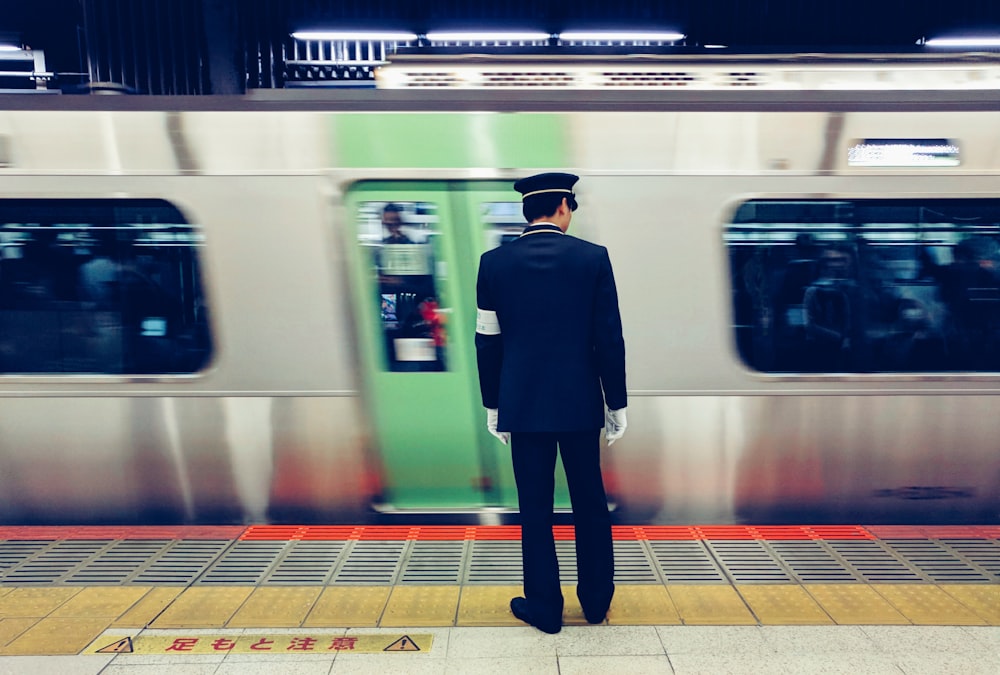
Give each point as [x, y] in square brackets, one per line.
[434, 599]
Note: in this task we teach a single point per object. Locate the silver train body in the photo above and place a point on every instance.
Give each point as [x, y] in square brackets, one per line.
[277, 426]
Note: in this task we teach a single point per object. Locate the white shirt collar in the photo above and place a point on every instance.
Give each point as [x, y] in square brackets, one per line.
[557, 230]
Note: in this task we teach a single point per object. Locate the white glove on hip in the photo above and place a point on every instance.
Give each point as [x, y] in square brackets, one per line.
[492, 415]
[614, 424]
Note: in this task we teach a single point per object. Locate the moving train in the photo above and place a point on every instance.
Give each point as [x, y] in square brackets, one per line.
[203, 318]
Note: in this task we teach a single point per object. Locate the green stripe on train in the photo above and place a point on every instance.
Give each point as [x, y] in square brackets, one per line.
[450, 140]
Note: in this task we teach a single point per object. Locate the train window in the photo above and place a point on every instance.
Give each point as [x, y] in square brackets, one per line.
[503, 221]
[100, 286]
[866, 286]
[403, 238]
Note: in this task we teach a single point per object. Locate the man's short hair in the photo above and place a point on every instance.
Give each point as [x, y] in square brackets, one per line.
[541, 206]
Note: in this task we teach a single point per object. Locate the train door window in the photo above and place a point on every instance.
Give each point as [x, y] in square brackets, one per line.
[867, 286]
[403, 246]
[100, 286]
[503, 222]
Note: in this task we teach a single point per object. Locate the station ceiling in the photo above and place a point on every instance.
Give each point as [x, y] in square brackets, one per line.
[226, 46]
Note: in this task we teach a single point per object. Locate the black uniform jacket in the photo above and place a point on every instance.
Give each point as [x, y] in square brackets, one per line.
[560, 333]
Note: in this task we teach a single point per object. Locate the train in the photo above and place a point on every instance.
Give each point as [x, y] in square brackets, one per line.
[203, 321]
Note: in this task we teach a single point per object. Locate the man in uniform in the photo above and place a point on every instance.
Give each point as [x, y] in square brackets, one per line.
[548, 341]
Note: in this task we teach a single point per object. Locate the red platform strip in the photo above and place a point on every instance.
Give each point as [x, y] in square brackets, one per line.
[561, 532]
[499, 533]
[28, 532]
[936, 531]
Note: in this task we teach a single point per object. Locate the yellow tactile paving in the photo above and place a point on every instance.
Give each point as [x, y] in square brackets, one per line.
[61, 620]
[783, 604]
[572, 611]
[148, 608]
[276, 607]
[710, 605]
[924, 604]
[642, 606]
[100, 602]
[203, 607]
[421, 606]
[56, 636]
[37, 602]
[982, 599]
[348, 606]
[855, 604]
[11, 628]
[487, 606]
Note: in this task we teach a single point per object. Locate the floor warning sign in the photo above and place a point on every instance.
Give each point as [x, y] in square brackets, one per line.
[123, 646]
[306, 642]
[403, 644]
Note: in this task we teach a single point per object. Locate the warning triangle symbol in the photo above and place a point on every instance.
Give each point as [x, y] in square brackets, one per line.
[123, 646]
[403, 644]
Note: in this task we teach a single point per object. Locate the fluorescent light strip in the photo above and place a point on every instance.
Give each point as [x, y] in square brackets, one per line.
[9, 48]
[619, 36]
[985, 41]
[376, 36]
[487, 36]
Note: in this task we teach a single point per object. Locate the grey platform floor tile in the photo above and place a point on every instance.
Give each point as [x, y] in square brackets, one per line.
[179, 669]
[285, 667]
[168, 659]
[239, 659]
[732, 664]
[739, 640]
[989, 636]
[819, 640]
[946, 664]
[607, 641]
[488, 642]
[542, 665]
[53, 665]
[830, 664]
[909, 640]
[727, 664]
[647, 664]
[387, 664]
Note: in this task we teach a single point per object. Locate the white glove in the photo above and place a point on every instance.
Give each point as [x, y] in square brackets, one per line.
[492, 414]
[614, 424]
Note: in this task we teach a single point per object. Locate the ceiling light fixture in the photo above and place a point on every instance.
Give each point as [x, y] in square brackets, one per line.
[362, 35]
[621, 36]
[487, 36]
[970, 41]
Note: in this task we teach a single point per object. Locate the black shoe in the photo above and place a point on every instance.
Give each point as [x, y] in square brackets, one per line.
[519, 606]
[594, 617]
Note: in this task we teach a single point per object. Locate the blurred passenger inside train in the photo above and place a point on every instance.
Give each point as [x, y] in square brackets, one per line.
[31, 278]
[797, 275]
[392, 221]
[969, 286]
[915, 344]
[833, 314]
[100, 277]
[411, 318]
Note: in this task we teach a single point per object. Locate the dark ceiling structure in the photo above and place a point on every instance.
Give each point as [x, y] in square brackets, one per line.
[229, 46]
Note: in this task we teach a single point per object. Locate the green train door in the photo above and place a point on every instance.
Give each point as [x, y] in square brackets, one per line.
[413, 265]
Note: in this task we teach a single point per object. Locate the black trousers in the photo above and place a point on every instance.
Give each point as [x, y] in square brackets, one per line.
[534, 456]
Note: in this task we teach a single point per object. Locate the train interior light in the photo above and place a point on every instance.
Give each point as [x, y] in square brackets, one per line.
[620, 37]
[353, 35]
[497, 37]
[965, 42]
